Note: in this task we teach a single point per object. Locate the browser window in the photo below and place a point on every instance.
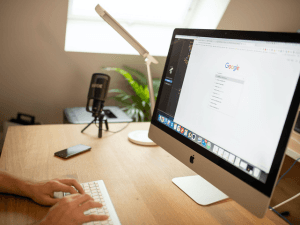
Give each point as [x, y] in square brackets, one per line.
[221, 94]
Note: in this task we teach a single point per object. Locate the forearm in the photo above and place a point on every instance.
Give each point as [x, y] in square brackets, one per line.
[14, 185]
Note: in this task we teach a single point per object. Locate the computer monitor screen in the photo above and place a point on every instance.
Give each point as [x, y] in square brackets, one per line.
[226, 106]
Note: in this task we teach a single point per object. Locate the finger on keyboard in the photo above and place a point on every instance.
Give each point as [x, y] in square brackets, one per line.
[58, 194]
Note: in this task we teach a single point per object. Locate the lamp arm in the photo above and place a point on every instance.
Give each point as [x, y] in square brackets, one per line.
[150, 86]
[135, 44]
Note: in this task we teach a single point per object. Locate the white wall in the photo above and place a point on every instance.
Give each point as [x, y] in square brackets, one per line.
[262, 15]
[37, 77]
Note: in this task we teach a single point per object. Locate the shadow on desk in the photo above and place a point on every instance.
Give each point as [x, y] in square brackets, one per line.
[20, 210]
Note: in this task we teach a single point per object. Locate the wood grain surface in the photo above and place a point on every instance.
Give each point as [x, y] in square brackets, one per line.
[138, 178]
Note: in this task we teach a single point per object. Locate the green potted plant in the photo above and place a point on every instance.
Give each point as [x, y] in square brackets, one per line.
[137, 105]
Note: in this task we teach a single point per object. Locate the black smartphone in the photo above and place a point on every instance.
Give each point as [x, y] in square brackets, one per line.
[74, 150]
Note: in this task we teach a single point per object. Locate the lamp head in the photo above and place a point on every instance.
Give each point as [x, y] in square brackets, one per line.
[117, 27]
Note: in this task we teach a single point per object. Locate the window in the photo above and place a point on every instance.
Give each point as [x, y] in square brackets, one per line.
[150, 22]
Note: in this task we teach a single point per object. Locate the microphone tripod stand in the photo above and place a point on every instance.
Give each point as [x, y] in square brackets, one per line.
[101, 117]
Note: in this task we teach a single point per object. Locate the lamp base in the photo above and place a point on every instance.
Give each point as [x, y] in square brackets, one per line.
[140, 137]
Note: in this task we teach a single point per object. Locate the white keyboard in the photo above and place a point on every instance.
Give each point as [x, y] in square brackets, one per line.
[98, 191]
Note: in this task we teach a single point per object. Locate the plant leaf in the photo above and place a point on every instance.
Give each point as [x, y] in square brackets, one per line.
[142, 115]
[138, 89]
[156, 85]
[116, 91]
[136, 106]
[141, 78]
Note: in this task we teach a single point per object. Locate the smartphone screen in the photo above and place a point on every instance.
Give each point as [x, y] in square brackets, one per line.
[74, 150]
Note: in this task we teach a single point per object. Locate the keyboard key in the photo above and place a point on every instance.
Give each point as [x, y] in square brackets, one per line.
[98, 192]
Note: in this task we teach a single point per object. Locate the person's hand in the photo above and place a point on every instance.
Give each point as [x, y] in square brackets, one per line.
[70, 211]
[43, 192]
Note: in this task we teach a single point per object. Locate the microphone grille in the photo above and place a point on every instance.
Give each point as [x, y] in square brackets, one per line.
[99, 86]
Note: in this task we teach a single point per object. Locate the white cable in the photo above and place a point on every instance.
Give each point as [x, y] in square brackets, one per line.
[286, 201]
[295, 140]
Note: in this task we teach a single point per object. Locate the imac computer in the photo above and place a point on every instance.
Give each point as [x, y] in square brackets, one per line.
[225, 108]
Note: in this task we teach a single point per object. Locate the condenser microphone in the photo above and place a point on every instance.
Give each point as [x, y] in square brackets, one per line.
[97, 92]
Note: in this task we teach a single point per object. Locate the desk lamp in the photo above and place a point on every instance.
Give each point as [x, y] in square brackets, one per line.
[138, 136]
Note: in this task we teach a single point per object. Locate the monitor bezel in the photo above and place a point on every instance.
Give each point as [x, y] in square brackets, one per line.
[265, 188]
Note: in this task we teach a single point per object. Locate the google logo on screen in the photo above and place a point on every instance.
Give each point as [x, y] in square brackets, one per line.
[232, 67]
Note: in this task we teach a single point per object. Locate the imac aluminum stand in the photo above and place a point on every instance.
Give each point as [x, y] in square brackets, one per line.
[200, 190]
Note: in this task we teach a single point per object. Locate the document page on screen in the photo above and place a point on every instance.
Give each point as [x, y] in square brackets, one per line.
[237, 98]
